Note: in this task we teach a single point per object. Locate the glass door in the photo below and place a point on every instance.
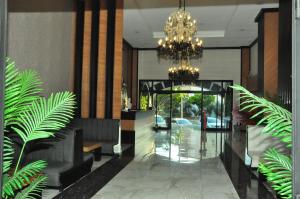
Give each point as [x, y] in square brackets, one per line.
[212, 109]
[162, 119]
[186, 126]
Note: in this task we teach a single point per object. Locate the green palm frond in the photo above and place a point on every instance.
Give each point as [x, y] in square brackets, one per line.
[30, 89]
[45, 117]
[31, 117]
[12, 91]
[8, 154]
[34, 190]
[22, 177]
[278, 120]
[277, 168]
[21, 89]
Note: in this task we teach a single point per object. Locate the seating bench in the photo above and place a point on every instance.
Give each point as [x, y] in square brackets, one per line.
[103, 131]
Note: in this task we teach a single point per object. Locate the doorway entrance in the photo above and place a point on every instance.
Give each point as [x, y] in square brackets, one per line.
[177, 104]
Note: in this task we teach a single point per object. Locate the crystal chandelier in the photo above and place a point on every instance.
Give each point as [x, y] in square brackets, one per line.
[184, 72]
[180, 40]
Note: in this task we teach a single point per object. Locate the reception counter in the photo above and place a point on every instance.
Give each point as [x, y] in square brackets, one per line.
[136, 124]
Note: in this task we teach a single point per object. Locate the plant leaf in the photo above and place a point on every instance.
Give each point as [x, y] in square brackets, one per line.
[34, 190]
[45, 116]
[277, 168]
[8, 152]
[22, 177]
[278, 120]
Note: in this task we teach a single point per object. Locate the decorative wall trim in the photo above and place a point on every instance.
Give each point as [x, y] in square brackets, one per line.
[94, 57]
[253, 43]
[78, 54]
[260, 71]
[263, 11]
[285, 53]
[110, 52]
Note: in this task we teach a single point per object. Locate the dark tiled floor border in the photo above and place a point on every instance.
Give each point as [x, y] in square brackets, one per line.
[90, 184]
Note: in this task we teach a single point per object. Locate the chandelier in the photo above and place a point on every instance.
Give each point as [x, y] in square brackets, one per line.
[184, 72]
[180, 40]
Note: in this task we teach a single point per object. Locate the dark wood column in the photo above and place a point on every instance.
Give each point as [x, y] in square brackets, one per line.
[245, 65]
[110, 52]
[94, 57]
[268, 31]
[78, 54]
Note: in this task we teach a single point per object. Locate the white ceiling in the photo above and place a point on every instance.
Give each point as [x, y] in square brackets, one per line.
[235, 17]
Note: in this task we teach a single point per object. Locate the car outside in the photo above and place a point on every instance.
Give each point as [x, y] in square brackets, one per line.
[159, 121]
[182, 122]
[213, 122]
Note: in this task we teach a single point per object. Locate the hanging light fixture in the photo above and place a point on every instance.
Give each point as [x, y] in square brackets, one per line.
[184, 72]
[180, 40]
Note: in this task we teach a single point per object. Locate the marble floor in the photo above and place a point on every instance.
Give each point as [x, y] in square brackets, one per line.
[173, 167]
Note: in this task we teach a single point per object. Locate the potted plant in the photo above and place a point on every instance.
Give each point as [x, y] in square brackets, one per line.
[275, 165]
[29, 116]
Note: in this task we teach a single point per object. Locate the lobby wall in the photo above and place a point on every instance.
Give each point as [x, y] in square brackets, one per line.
[41, 37]
[216, 64]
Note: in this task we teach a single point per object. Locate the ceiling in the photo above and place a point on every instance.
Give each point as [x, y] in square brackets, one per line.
[236, 17]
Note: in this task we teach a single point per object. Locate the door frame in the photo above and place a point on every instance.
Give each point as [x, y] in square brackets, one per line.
[150, 90]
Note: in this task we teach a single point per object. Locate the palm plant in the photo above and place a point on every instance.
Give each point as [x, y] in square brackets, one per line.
[30, 117]
[274, 164]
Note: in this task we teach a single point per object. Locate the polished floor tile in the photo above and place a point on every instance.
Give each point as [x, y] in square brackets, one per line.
[173, 167]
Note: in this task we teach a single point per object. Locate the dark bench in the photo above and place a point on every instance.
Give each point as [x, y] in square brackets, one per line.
[104, 131]
[66, 162]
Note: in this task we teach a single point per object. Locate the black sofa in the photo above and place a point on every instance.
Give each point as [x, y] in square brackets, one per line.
[65, 158]
[104, 131]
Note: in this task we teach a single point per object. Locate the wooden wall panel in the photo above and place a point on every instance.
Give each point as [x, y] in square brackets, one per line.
[245, 65]
[118, 60]
[128, 125]
[271, 38]
[86, 61]
[102, 61]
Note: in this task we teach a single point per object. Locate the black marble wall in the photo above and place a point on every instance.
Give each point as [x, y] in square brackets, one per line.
[285, 53]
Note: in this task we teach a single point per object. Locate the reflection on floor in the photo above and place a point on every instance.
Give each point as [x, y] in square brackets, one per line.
[174, 167]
